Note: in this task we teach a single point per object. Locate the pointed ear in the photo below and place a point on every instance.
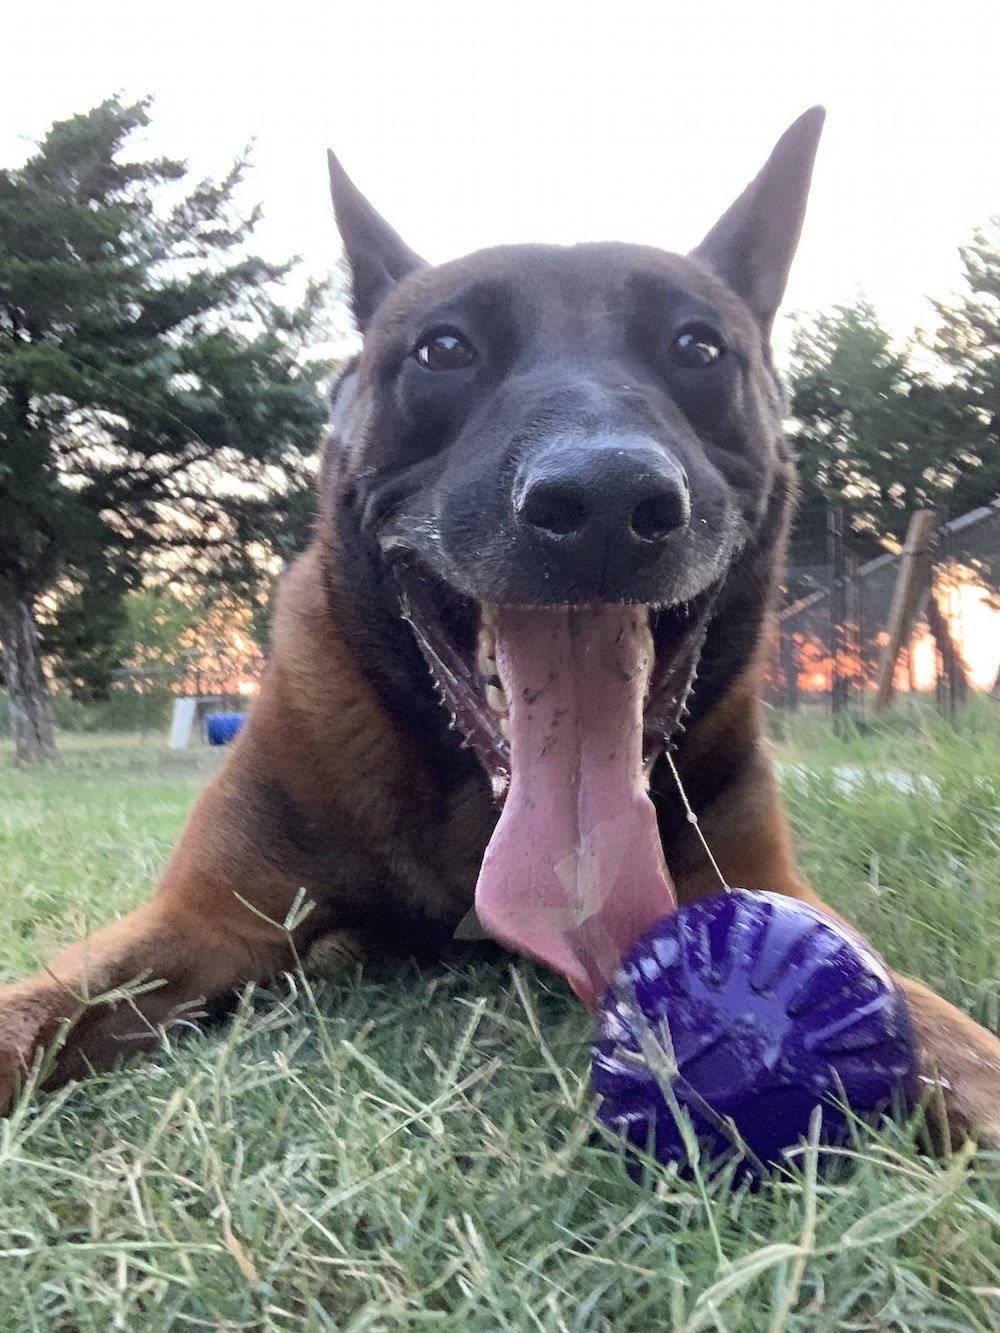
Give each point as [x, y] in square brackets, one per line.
[378, 258]
[751, 246]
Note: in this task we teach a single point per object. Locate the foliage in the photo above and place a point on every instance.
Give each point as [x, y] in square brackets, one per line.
[873, 434]
[882, 430]
[156, 623]
[81, 637]
[968, 342]
[156, 407]
[202, 644]
[164, 630]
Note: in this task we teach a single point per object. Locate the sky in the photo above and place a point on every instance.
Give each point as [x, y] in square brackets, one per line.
[477, 123]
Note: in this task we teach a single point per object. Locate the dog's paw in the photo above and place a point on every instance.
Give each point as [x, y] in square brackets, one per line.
[11, 1076]
[959, 1068]
[24, 1020]
[342, 956]
[337, 957]
[962, 1103]
[40, 1025]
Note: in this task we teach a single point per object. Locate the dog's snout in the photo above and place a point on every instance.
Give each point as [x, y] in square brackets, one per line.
[596, 502]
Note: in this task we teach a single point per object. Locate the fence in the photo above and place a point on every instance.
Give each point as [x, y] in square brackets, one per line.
[141, 698]
[832, 643]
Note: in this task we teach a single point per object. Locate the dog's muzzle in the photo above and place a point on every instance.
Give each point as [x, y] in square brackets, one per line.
[608, 504]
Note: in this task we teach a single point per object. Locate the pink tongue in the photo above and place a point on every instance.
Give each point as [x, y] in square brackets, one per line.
[574, 872]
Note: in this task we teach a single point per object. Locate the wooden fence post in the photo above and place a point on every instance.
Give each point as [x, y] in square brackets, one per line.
[838, 613]
[911, 583]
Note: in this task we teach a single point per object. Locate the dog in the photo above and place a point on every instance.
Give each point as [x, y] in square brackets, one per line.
[553, 509]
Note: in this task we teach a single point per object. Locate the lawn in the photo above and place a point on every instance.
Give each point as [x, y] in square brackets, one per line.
[421, 1153]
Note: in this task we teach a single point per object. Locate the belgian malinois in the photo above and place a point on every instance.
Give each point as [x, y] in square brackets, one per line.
[552, 519]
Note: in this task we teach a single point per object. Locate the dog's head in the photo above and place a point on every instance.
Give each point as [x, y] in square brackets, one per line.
[555, 456]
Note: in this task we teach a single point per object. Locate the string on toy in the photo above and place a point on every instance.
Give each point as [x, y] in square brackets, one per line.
[692, 819]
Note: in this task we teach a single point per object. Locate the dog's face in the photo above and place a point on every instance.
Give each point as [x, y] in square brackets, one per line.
[566, 426]
[534, 433]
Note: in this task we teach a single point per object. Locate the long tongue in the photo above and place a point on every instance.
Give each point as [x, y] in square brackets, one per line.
[574, 872]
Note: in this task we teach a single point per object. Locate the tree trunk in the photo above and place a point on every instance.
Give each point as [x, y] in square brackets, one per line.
[30, 718]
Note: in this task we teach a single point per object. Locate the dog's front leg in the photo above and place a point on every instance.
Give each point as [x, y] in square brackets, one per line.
[214, 923]
[959, 1064]
[106, 996]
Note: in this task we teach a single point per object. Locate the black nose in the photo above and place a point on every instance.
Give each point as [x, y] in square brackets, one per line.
[611, 502]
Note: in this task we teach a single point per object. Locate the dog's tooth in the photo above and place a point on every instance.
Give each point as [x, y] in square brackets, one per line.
[505, 727]
[496, 699]
[486, 660]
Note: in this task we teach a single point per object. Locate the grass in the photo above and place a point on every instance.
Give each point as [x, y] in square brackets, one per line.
[421, 1154]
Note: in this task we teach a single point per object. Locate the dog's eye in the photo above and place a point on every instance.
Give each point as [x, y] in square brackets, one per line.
[696, 347]
[445, 350]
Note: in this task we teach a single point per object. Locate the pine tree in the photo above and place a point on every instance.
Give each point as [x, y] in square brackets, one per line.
[155, 403]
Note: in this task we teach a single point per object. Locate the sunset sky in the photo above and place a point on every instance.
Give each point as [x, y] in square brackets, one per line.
[476, 123]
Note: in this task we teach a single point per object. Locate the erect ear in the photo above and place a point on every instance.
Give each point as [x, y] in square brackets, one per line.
[377, 256]
[751, 246]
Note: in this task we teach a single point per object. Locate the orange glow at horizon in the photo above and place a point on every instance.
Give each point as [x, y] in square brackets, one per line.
[971, 612]
[973, 615]
[223, 654]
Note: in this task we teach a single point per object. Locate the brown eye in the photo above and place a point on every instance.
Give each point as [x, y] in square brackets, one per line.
[445, 351]
[696, 347]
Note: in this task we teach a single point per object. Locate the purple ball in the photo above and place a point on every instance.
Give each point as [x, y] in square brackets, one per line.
[771, 1009]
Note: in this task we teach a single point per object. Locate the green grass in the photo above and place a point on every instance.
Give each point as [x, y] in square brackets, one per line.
[84, 841]
[421, 1154]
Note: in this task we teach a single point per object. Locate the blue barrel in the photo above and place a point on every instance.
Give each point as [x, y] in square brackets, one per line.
[223, 728]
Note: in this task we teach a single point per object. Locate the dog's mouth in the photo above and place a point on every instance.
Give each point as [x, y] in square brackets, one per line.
[568, 708]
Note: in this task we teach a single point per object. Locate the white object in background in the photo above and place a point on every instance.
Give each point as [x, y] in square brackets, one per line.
[182, 723]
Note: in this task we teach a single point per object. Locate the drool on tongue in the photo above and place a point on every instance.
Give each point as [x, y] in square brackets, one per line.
[574, 872]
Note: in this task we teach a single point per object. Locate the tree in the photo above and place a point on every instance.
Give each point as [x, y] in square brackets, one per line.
[83, 642]
[968, 343]
[873, 433]
[209, 638]
[156, 409]
[156, 628]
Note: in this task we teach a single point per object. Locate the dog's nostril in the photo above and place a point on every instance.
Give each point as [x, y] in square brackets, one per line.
[554, 509]
[656, 517]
